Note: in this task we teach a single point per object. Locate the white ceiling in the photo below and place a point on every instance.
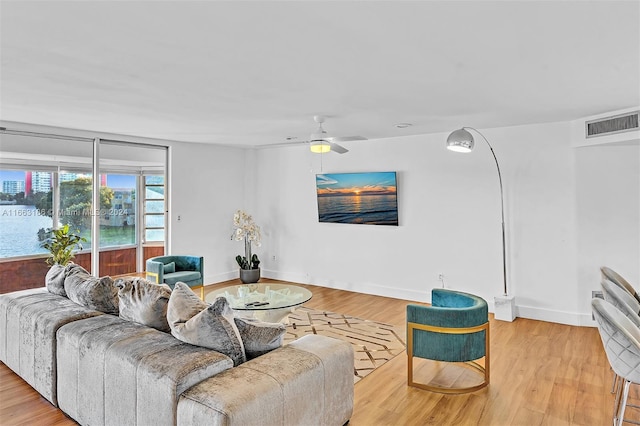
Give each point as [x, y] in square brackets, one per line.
[255, 73]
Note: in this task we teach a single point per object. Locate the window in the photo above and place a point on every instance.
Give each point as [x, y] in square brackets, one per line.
[154, 208]
[46, 180]
[25, 211]
[75, 203]
[117, 210]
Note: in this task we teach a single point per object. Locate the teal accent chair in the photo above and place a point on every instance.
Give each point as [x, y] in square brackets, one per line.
[171, 269]
[455, 328]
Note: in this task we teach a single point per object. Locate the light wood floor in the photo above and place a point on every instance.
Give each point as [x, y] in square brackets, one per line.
[541, 374]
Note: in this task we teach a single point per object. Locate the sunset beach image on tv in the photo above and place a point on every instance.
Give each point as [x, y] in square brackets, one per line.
[363, 198]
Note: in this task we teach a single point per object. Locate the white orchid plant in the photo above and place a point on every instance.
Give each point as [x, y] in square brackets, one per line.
[246, 229]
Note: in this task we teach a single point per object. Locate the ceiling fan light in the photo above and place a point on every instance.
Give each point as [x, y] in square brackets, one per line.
[319, 147]
[460, 141]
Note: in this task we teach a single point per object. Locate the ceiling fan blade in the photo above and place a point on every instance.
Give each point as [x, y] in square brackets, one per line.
[337, 148]
[281, 144]
[345, 138]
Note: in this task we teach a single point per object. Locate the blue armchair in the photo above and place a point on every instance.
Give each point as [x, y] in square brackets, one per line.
[455, 328]
[171, 269]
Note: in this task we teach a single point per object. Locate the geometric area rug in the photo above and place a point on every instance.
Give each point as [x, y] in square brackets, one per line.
[374, 343]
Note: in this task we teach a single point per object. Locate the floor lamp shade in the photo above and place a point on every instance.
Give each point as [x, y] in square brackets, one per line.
[460, 141]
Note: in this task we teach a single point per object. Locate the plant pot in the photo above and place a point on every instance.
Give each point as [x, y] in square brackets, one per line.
[249, 275]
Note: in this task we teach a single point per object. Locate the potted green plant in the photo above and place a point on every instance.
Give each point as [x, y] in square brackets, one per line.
[61, 244]
[246, 230]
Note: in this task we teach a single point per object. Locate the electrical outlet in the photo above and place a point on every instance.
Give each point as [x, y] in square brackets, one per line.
[440, 276]
[273, 258]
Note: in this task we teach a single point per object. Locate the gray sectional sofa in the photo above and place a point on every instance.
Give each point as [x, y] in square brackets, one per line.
[101, 369]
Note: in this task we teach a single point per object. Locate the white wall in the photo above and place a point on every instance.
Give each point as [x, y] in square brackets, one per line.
[208, 185]
[538, 163]
[449, 219]
[608, 203]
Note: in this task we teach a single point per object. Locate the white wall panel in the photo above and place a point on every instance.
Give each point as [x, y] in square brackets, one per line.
[208, 185]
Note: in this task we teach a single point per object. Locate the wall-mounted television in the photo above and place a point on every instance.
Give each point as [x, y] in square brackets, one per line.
[362, 198]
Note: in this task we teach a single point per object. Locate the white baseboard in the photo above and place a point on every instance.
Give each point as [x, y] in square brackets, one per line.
[374, 289]
[559, 317]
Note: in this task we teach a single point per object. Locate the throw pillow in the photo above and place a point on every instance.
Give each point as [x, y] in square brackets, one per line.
[259, 337]
[54, 280]
[169, 268]
[198, 323]
[94, 293]
[143, 302]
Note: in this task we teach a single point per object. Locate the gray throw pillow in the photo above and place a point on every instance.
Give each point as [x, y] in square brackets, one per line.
[143, 302]
[54, 280]
[198, 323]
[94, 293]
[260, 337]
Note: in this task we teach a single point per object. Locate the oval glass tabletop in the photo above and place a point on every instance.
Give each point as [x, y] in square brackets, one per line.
[261, 297]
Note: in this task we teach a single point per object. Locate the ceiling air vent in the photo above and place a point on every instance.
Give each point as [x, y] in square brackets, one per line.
[610, 125]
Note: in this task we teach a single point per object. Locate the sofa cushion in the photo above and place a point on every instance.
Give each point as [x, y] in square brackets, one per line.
[184, 276]
[29, 320]
[211, 326]
[169, 268]
[260, 337]
[117, 372]
[91, 292]
[307, 382]
[143, 302]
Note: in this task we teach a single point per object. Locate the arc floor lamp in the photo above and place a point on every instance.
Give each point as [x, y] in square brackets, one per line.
[461, 140]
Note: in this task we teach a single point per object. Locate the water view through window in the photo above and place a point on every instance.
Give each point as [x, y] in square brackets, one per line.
[26, 209]
[22, 223]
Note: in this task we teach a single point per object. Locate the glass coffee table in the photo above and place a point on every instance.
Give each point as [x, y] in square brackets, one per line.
[269, 302]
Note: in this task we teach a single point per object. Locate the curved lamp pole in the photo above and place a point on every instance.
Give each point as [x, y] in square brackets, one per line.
[462, 141]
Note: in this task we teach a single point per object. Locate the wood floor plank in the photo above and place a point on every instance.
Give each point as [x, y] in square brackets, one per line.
[541, 374]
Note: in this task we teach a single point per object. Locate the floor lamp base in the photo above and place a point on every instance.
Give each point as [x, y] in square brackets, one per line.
[505, 308]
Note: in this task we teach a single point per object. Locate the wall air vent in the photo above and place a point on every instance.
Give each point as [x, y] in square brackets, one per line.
[611, 125]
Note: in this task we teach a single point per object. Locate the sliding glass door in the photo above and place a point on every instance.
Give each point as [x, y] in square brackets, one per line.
[47, 181]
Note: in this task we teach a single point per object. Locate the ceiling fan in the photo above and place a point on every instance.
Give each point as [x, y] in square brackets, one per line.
[321, 142]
